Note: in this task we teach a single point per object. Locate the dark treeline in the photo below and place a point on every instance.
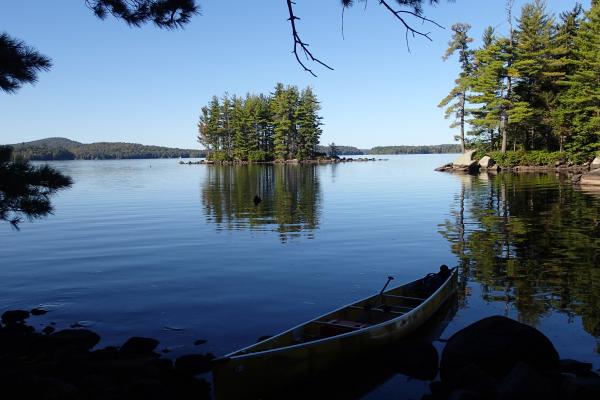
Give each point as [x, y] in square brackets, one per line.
[342, 150]
[537, 88]
[430, 149]
[283, 125]
[64, 149]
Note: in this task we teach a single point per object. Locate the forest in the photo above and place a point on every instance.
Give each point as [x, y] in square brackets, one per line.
[538, 88]
[65, 149]
[283, 125]
[426, 149]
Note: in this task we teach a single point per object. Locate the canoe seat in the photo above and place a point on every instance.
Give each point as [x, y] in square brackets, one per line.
[352, 325]
[380, 310]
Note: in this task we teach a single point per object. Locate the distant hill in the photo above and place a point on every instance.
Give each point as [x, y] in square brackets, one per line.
[426, 149]
[57, 148]
[342, 150]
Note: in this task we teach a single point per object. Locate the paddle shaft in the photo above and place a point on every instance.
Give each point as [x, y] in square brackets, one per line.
[380, 298]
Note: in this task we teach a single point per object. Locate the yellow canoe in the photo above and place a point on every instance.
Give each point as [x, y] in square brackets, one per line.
[341, 335]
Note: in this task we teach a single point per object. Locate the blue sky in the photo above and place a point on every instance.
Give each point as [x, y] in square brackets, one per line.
[110, 82]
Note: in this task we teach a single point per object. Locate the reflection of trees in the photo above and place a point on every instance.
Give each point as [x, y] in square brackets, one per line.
[530, 240]
[290, 197]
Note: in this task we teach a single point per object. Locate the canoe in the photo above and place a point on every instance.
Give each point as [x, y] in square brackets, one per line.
[341, 335]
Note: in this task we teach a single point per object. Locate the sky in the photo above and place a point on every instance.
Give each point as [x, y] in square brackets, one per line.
[111, 82]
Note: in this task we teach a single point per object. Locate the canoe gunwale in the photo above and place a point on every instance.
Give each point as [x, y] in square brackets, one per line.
[237, 356]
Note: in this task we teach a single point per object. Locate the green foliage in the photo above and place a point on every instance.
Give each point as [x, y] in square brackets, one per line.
[25, 190]
[527, 158]
[284, 125]
[456, 100]
[430, 149]
[259, 156]
[538, 89]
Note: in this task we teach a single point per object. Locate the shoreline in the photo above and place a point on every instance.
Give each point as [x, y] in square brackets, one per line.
[468, 163]
[279, 162]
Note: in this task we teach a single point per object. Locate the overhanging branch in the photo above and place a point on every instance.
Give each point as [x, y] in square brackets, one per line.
[299, 43]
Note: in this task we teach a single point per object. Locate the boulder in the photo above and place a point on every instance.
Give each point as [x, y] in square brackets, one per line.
[576, 368]
[595, 163]
[465, 159]
[14, 316]
[417, 359]
[194, 363]
[578, 388]
[486, 162]
[139, 345]
[524, 383]
[495, 345]
[591, 178]
[445, 167]
[76, 339]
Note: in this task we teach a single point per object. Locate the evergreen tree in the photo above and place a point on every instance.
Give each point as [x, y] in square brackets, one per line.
[283, 125]
[583, 96]
[455, 102]
[260, 128]
[309, 124]
[25, 190]
[563, 66]
[487, 87]
[534, 79]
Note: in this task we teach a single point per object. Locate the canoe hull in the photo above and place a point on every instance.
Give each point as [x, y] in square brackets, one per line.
[250, 375]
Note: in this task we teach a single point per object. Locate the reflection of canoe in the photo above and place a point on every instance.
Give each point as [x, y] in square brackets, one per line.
[335, 337]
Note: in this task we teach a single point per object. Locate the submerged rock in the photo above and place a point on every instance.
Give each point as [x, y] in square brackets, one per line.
[139, 345]
[38, 311]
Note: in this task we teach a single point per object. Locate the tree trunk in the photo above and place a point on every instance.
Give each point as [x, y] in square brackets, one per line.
[462, 121]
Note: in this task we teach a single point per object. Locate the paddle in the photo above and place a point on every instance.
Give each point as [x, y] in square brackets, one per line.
[380, 298]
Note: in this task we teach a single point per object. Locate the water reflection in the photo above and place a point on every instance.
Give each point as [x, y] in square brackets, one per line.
[531, 241]
[289, 198]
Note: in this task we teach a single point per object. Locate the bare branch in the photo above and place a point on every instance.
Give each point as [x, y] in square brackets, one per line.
[299, 43]
[409, 29]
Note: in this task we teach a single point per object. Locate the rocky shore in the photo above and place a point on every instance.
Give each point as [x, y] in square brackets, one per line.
[467, 163]
[61, 365]
[494, 358]
[323, 160]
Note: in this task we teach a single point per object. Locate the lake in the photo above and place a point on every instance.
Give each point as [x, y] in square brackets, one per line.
[181, 252]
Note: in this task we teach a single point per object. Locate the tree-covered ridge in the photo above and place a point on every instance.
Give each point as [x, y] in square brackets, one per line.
[536, 89]
[283, 125]
[426, 149]
[65, 149]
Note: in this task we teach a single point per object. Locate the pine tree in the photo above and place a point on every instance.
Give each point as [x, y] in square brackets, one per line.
[455, 102]
[208, 126]
[309, 124]
[563, 65]
[487, 88]
[240, 126]
[583, 95]
[534, 79]
[282, 122]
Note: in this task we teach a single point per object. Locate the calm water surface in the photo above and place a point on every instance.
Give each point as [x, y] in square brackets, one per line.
[178, 252]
